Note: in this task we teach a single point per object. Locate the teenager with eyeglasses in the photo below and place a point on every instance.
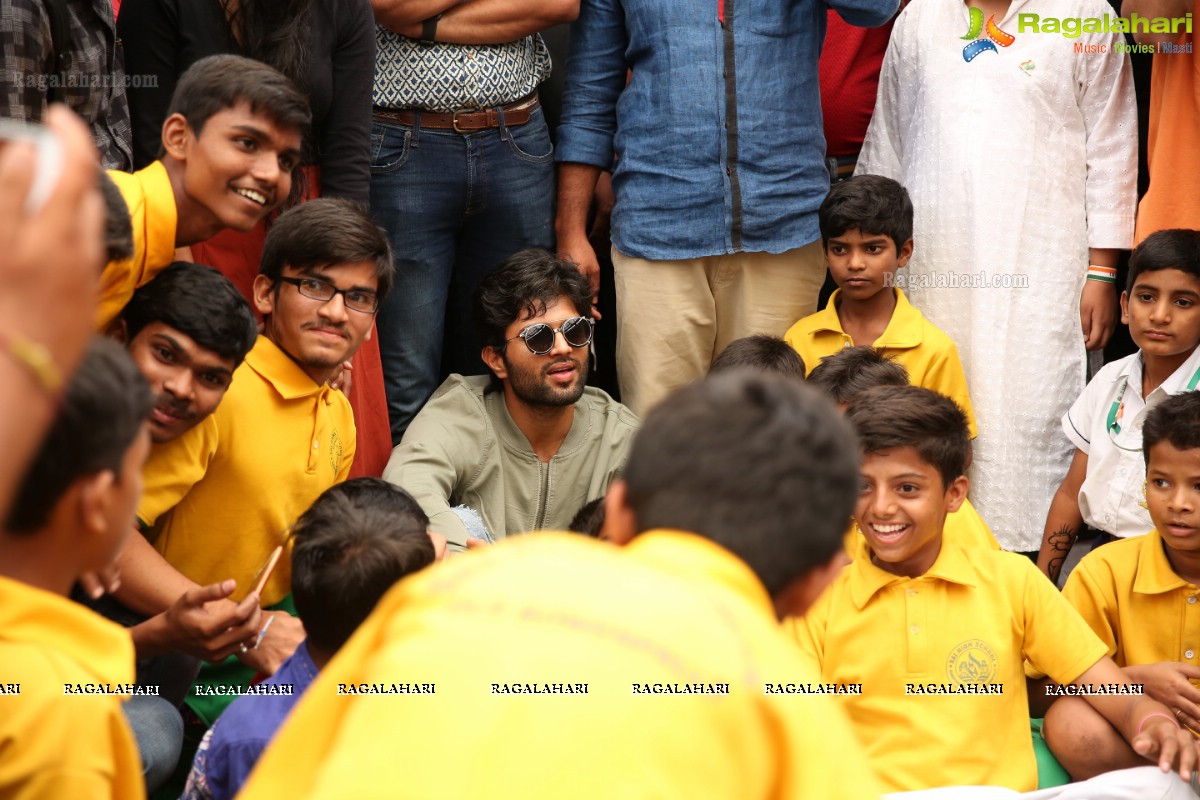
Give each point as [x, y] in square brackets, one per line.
[524, 448]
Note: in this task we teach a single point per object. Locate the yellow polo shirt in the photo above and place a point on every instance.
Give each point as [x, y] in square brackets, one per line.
[1136, 603]
[963, 527]
[964, 626]
[53, 744]
[151, 202]
[221, 497]
[911, 340]
[634, 627]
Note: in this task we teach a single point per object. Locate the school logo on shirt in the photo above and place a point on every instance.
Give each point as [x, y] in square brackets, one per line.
[973, 661]
[990, 33]
[335, 451]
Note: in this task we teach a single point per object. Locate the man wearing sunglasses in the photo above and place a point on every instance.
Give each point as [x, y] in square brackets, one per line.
[524, 448]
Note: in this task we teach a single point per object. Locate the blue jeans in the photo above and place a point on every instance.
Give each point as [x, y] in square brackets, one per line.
[158, 728]
[455, 206]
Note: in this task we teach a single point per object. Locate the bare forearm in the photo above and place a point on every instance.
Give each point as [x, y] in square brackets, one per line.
[1062, 529]
[576, 185]
[148, 583]
[493, 21]
[401, 16]
[1102, 257]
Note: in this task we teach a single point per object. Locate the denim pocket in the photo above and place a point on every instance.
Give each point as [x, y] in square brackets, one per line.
[389, 147]
[776, 18]
[531, 141]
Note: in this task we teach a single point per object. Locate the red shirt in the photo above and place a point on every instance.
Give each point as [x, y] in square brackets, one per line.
[849, 71]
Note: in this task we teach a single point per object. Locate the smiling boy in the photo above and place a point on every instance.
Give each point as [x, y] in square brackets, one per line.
[220, 497]
[1139, 595]
[944, 699]
[230, 150]
[866, 228]
[1103, 488]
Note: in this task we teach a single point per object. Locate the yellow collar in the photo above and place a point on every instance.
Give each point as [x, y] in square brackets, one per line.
[278, 369]
[866, 579]
[1154, 572]
[690, 555]
[903, 330]
[101, 649]
[161, 225]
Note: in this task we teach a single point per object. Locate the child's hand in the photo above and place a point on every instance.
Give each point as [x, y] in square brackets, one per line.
[1173, 746]
[1170, 683]
[342, 378]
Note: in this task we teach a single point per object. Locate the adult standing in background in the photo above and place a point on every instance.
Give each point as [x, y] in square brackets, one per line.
[720, 168]
[1173, 143]
[38, 67]
[327, 48]
[462, 172]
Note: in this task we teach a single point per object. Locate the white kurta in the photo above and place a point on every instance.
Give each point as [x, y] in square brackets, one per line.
[1017, 162]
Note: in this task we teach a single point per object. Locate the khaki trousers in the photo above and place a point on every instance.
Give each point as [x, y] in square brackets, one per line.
[674, 317]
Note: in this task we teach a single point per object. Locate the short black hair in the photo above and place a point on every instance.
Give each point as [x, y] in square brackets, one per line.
[118, 229]
[871, 204]
[98, 420]
[521, 287]
[326, 232]
[355, 541]
[589, 519]
[911, 416]
[217, 83]
[757, 463]
[1175, 420]
[200, 303]
[852, 370]
[760, 351]
[1177, 248]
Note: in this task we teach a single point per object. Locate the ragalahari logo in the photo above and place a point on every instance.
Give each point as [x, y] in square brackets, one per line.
[991, 32]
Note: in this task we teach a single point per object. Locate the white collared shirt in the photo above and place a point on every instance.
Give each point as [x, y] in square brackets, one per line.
[1112, 492]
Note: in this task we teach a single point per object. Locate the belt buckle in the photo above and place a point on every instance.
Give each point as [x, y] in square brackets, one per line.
[454, 121]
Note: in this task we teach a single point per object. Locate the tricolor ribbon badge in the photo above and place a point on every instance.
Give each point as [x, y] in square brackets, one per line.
[991, 31]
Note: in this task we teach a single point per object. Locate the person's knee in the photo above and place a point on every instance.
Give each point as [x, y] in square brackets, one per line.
[158, 728]
[1083, 741]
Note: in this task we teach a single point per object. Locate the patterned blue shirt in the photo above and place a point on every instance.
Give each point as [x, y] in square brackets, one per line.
[451, 77]
[717, 136]
[232, 746]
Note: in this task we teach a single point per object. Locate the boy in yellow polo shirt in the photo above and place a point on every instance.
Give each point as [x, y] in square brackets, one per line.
[1140, 596]
[63, 668]
[937, 635]
[848, 373]
[866, 229]
[615, 672]
[231, 148]
[220, 498]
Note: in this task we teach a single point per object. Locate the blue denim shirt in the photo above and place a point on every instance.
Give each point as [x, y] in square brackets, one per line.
[717, 137]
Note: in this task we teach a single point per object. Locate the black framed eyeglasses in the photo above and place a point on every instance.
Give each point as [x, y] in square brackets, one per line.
[539, 338]
[358, 300]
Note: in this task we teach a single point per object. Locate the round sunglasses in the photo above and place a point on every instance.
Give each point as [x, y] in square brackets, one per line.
[539, 338]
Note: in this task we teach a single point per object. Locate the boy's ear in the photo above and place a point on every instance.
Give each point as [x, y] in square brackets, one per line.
[620, 525]
[1124, 308]
[264, 294]
[175, 135]
[95, 495]
[956, 492]
[904, 253]
[118, 331]
[799, 595]
[495, 361]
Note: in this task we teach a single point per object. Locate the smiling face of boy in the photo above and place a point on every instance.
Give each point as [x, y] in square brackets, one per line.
[902, 507]
[234, 172]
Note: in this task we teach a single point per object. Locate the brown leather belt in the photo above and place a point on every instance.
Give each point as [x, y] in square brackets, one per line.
[517, 113]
